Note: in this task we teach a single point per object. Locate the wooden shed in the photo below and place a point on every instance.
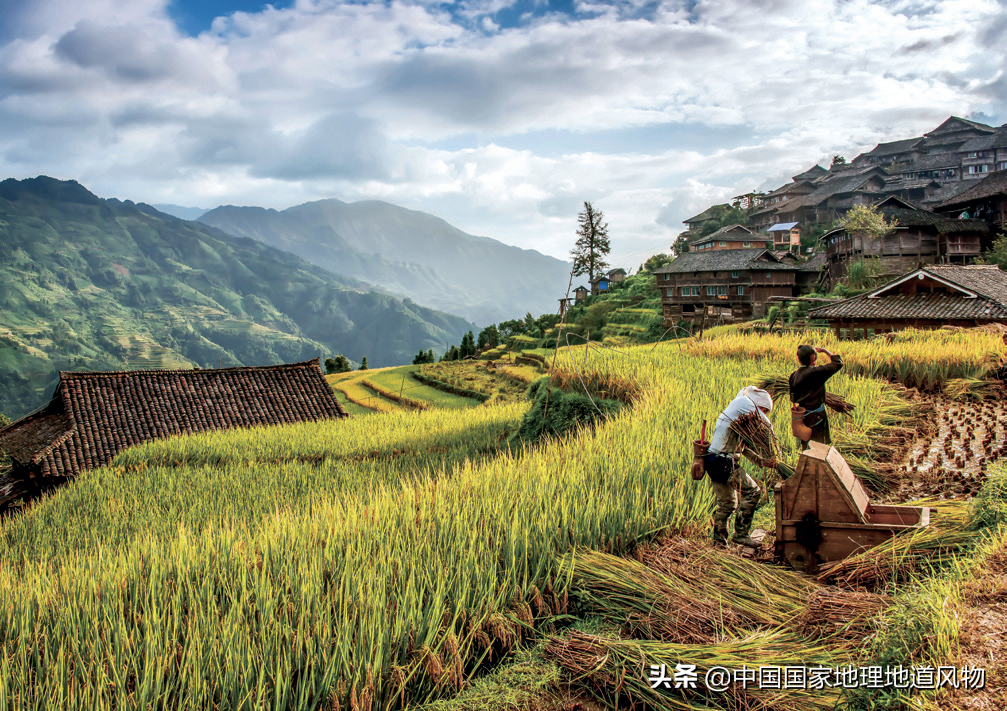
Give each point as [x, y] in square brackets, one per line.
[94, 416]
[929, 297]
[823, 512]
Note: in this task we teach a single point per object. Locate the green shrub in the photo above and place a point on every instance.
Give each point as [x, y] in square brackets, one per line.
[555, 412]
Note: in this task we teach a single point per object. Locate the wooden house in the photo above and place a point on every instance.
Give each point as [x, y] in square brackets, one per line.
[727, 283]
[906, 149]
[695, 223]
[986, 201]
[928, 297]
[920, 237]
[730, 237]
[812, 273]
[617, 275]
[579, 294]
[953, 134]
[786, 235]
[604, 281]
[780, 199]
[94, 416]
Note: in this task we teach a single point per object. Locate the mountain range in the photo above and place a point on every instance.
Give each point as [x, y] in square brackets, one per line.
[102, 284]
[408, 253]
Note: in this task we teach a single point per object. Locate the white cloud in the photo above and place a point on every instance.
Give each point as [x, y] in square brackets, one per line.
[407, 102]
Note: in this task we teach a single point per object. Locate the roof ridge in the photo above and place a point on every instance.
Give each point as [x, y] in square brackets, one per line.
[76, 375]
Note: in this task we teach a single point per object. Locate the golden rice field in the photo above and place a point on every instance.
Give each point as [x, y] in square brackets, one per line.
[921, 359]
[367, 563]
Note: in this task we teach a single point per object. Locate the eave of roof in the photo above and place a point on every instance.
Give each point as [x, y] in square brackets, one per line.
[990, 186]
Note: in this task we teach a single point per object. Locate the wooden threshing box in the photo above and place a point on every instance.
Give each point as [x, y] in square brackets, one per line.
[823, 512]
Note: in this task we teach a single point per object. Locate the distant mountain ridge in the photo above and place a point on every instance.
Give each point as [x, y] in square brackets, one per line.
[409, 253]
[93, 284]
[180, 211]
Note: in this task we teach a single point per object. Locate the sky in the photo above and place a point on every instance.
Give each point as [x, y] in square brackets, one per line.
[501, 116]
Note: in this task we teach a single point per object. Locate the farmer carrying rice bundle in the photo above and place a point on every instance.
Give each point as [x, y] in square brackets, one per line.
[722, 462]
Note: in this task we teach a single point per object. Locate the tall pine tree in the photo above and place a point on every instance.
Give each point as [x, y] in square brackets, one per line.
[592, 244]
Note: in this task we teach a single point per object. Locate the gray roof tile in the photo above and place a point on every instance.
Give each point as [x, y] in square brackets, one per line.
[713, 260]
[94, 416]
[988, 282]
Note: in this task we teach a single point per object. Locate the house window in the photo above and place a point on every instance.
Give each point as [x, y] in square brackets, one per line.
[1003, 165]
[723, 244]
[973, 169]
[769, 275]
[977, 154]
[721, 291]
[711, 291]
[734, 275]
[748, 244]
[741, 291]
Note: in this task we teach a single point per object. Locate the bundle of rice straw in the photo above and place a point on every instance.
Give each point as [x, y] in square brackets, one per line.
[756, 434]
[779, 385]
[909, 553]
[648, 603]
[620, 671]
[842, 614]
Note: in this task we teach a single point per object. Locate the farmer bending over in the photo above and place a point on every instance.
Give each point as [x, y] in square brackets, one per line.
[807, 389]
[724, 468]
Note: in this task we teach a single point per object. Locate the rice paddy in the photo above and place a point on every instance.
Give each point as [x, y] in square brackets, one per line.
[385, 561]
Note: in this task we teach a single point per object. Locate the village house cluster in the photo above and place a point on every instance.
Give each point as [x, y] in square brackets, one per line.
[945, 190]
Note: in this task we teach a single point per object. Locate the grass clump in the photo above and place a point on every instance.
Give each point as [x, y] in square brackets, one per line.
[555, 412]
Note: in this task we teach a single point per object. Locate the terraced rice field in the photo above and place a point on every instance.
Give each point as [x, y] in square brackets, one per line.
[383, 562]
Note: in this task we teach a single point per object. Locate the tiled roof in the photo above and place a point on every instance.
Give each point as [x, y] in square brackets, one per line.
[846, 170]
[989, 283]
[814, 264]
[766, 209]
[993, 184]
[838, 186]
[896, 183]
[31, 437]
[985, 279]
[798, 202]
[791, 187]
[925, 218]
[94, 416]
[950, 190]
[894, 147]
[713, 260]
[934, 161]
[949, 126]
[981, 143]
[743, 233]
[812, 172]
[705, 214]
[912, 306]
